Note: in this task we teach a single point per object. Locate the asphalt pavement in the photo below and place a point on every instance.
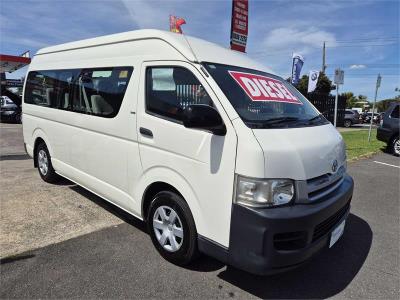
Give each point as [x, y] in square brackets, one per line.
[119, 261]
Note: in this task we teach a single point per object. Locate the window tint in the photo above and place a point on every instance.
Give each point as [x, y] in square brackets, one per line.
[396, 112]
[98, 91]
[170, 89]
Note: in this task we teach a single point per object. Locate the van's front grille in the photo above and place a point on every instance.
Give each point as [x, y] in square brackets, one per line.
[321, 186]
[326, 226]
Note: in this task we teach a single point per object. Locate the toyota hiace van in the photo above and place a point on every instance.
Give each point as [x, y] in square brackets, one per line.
[208, 147]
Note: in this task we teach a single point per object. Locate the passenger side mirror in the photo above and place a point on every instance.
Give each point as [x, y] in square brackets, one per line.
[202, 116]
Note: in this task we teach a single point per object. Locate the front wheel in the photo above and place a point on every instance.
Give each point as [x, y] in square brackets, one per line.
[347, 123]
[172, 229]
[395, 146]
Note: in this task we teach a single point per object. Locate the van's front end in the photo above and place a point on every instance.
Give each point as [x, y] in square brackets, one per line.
[292, 193]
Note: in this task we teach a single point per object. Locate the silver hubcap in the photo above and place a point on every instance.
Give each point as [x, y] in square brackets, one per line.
[168, 228]
[397, 146]
[43, 162]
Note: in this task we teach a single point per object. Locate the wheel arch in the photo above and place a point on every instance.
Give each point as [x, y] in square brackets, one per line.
[40, 137]
[158, 179]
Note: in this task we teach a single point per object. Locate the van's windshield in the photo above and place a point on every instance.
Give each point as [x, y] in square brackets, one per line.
[264, 100]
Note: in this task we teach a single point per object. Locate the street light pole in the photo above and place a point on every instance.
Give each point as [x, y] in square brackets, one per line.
[378, 84]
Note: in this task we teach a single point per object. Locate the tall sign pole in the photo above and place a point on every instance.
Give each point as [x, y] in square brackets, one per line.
[378, 84]
[339, 79]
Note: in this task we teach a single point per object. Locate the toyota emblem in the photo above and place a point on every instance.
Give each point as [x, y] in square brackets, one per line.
[334, 165]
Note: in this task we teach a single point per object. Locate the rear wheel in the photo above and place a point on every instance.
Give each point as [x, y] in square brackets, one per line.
[45, 167]
[347, 123]
[395, 146]
[172, 229]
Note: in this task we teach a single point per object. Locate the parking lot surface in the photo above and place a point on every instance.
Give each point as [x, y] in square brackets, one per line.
[115, 257]
[35, 214]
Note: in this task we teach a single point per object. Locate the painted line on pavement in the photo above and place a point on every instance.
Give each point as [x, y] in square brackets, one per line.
[382, 163]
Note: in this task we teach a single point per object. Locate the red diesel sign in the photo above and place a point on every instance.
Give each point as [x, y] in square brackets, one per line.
[239, 27]
[263, 88]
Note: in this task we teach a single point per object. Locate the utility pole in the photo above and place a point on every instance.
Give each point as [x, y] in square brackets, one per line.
[378, 84]
[323, 59]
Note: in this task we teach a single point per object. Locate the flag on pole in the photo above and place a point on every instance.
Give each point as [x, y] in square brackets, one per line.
[175, 24]
[312, 81]
[239, 24]
[297, 64]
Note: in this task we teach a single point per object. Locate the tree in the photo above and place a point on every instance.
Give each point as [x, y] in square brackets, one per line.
[383, 105]
[324, 85]
[350, 99]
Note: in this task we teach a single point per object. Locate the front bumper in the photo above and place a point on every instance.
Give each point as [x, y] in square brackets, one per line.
[265, 241]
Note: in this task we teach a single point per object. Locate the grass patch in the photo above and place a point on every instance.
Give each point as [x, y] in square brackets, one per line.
[357, 143]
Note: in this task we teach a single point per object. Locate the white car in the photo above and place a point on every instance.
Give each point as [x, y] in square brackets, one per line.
[207, 146]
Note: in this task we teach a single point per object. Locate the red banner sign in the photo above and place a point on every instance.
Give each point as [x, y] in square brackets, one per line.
[239, 27]
[263, 88]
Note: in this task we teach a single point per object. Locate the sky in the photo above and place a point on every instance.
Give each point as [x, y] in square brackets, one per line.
[362, 36]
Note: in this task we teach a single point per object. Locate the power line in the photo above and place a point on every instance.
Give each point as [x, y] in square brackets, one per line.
[364, 45]
[367, 40]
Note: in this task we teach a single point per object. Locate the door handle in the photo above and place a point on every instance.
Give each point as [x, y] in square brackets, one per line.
[146, 132]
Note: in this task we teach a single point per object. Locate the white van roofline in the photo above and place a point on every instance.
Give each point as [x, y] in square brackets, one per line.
[193, 49]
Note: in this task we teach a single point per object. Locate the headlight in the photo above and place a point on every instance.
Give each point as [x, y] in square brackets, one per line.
[263, 192]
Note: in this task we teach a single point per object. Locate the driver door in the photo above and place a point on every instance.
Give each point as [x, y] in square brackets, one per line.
[204, 161]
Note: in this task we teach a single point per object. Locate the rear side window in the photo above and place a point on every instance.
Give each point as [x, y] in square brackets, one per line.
[396, 112]
[97, 91]
[100, 92]
[170, 89]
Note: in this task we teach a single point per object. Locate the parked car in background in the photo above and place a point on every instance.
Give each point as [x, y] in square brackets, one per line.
[9, 111]
[366, 117]
[351, 117]
[388, 132]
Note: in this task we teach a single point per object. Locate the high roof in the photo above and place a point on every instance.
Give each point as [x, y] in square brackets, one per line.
[193, 49]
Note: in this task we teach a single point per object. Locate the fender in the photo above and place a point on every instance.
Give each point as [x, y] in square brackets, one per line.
[173, 178]
[39, 133]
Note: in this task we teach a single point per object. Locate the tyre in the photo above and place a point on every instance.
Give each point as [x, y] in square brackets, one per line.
[395, 146]
[44, 164]
[18, 119]
[172, 228]
[347, 123]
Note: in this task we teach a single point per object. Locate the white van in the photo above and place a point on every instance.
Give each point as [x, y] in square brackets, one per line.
[208, 147]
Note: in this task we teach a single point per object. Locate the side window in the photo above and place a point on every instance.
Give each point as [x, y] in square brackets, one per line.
[63, 88]
[40, 88]
[170, 89]
[396, 112]
[100, 91]
[97, 91]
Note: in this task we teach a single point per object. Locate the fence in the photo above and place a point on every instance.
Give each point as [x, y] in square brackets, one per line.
[326, 105]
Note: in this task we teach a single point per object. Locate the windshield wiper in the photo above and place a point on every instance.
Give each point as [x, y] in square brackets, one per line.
[315, 118]
[280, 120]
[272, 122]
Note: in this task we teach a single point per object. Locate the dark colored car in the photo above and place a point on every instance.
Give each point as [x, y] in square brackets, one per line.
[351, 117]
[366, 118]
[9, 111]
[388, 132]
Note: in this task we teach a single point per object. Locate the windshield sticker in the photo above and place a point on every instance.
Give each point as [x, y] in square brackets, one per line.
[263, 88]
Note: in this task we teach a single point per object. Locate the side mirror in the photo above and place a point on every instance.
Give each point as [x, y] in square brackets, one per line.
[202, 116]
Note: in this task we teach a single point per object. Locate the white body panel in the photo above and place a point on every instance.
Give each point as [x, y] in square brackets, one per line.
[112, 159]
